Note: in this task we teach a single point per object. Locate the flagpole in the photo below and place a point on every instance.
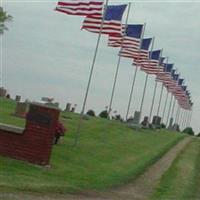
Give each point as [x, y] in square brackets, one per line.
[165, 106]
[179, 117]
[183, 122]
[118, 64]
[177, 113]
[190, 119]
[153, 100]
[160, 99]
[173, 107]
[170, 106]
[77, 136]
[134, 76]
[145, 84]
[131, 93]
[188, 116]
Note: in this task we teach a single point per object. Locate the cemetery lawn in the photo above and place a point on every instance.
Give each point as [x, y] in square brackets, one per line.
[109, 154]
[182, 179]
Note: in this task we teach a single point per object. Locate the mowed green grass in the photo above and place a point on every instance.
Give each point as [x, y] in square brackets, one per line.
[182, 180]
[109, 154]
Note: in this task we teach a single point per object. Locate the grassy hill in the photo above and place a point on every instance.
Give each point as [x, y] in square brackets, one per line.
[109, 154]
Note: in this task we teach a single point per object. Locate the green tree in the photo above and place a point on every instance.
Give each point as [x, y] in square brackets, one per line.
[104, 114]
[4, 17]
[189, 131]
[91, 113]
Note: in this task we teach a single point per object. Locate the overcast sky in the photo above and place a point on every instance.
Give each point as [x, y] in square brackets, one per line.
[45, 53]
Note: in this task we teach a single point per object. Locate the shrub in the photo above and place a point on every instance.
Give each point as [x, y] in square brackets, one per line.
[163, 125]
[104, 114]
[189, 131]
[91, 113]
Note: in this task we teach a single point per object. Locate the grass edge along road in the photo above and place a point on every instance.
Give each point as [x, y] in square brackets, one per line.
[94, 165]
[181, 181]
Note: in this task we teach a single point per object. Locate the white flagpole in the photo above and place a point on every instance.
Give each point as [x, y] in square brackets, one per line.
[153, 100]
[179, 117]
[134, 76]
[154, 95]
[190, 118]
[77, 135]
[173, 107]
[165, 106]
[183, 122]
[170, 106]
[185, 119]
[145, 85]
[177, 113]
[160, 99]
[118, 64]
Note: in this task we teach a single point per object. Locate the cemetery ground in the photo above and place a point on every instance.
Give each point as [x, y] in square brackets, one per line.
[110, 156]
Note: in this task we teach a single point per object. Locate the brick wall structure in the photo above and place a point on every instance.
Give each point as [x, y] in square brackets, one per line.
[34, 143]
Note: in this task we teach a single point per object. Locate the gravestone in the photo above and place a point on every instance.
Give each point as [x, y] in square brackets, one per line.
[176, 127]
[2, 92]
[21, 109]
[170, 127]
[145, 122]
[156, 121]
[68, 107]
[73, 109]
[136, 118]
[18, 98]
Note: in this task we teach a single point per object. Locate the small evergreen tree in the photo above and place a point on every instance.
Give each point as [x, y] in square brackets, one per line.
[91, 113]
[189, 131]
[104, 114]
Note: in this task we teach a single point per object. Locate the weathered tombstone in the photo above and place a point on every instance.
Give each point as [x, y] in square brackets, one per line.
[21, 109]
[176, 127]
[68, 107]
[170, 127]
[156, 121]
[136, 118]
[135, 121]
[18, 98]
[145, 122]
[73, 109]
[2, 92]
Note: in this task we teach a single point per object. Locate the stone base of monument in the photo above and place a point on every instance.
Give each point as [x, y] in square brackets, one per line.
[21, 109]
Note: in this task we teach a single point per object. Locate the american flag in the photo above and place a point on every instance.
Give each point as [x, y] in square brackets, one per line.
[130, 37]
[172, 83]
[112, 21]
[165, 75]
[143, 52]
[151, 65]
[183, 98]
[80, 7]
[137, 54]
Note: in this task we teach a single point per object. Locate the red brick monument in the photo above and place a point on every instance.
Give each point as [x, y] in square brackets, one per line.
[34, 143]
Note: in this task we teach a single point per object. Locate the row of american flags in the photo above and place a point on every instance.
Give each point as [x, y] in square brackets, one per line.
[106, 19]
